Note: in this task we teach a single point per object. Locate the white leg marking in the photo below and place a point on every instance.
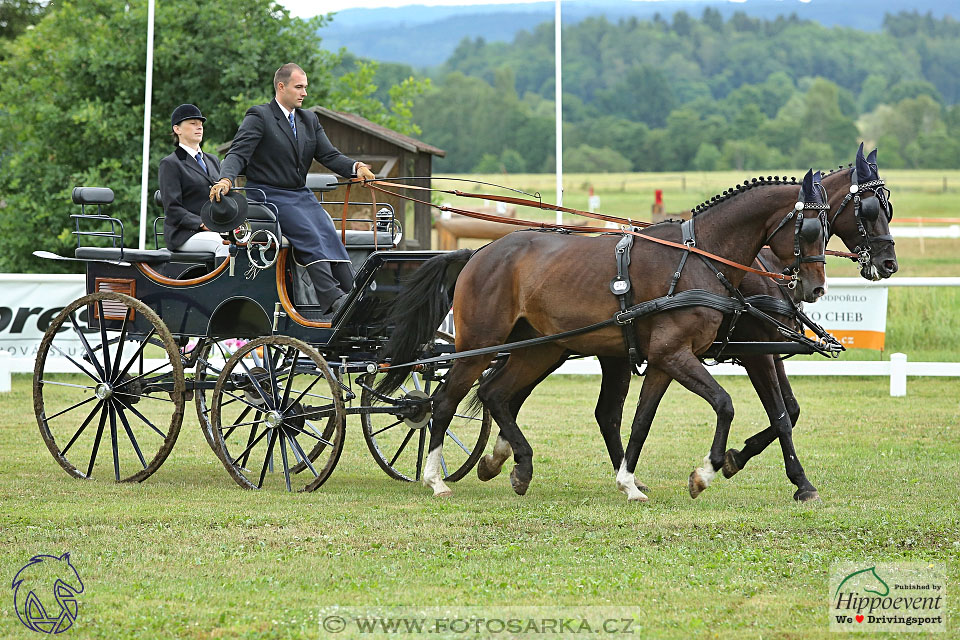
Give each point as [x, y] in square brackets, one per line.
[628, 484]
[706, 472]
[433, 474]
[501, 451]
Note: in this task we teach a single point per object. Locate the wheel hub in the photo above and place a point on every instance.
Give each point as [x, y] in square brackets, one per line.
[103, 391]
[273, 419]
[424, 412]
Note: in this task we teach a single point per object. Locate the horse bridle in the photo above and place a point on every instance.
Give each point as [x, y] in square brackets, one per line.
[806, 229]
[866, 207]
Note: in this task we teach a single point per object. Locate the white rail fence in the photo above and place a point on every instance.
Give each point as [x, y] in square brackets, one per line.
[898, 368]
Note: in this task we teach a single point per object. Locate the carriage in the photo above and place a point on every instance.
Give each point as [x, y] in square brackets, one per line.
[271, 378]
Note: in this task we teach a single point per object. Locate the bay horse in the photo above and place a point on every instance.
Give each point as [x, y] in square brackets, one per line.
[864, 232]
[530, 284]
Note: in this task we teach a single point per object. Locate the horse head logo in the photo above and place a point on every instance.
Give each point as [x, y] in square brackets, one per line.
[46, 580]
[865, 579]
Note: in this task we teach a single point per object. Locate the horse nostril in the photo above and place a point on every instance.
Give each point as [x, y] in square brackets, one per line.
[890, 265]
[818, 292]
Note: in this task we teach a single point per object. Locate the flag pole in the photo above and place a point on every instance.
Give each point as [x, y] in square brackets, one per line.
[559, 116]
[147, 99]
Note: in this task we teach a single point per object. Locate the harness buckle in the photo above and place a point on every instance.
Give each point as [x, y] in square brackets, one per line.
[618, 318]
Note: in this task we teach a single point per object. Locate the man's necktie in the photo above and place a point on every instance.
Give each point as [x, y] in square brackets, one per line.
[293, 125]
[203, 165]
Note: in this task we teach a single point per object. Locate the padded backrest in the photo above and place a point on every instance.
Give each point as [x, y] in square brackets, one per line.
[92, 195]
[322, 181]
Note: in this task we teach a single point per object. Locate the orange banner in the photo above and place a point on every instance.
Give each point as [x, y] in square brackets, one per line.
[853, 339]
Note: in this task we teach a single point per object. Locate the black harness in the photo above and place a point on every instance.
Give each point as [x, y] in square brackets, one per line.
[865, 207]
[807, 229]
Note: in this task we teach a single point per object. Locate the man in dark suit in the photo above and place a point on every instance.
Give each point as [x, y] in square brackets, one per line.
[186, 176]
[274, 147]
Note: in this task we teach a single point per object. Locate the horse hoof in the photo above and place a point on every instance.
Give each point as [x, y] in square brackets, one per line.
[730, 466]
[695, 484]
[643, 488]
[519, 486]
[443, 494]
[486, 471]
[806, 495]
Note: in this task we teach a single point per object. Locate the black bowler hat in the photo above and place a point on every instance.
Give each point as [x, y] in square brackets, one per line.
[186, 112]
[225, 215]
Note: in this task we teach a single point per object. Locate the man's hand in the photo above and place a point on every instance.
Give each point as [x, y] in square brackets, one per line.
[364, 172]
[219, 189]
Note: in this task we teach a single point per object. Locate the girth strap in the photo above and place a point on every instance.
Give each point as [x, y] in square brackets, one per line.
[620, 287]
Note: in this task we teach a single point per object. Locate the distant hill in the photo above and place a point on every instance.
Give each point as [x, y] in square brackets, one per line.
[426, 36]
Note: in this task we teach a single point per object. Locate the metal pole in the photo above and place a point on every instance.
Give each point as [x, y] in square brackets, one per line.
[559, 116]
[147, 99]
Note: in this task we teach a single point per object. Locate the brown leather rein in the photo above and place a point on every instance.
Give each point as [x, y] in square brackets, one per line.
[377, 185]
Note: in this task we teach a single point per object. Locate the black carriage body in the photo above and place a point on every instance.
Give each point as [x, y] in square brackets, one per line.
[233, 306]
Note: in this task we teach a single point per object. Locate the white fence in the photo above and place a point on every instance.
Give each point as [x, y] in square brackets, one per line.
[897, 368]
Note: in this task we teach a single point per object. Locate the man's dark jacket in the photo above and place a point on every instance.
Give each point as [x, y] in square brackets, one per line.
[266, 151]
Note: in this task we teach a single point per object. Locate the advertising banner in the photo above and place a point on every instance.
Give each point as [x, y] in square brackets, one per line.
[856, 316]
[28, 303]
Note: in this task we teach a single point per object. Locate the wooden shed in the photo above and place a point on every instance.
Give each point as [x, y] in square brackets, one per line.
[390, 154]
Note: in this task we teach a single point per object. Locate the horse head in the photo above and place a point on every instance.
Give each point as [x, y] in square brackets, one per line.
[800, 239]
[861, 215]
[46, 580]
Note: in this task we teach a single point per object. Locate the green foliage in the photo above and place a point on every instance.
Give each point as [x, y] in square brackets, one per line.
[758, 91]
[587, 159]
[17, 15]
[71, 102]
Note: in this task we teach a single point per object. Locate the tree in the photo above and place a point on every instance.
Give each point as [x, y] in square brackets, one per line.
[17, 15]
[71, 102]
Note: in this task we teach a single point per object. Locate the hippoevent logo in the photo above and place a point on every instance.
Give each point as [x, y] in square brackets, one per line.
[887, 597]
[45, 594]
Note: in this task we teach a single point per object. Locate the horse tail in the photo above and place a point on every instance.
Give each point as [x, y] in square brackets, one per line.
[418, 310]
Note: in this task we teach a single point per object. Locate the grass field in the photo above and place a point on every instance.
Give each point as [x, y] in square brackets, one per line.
[190, 555]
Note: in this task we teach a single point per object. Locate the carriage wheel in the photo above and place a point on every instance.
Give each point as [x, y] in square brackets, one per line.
[125, 376]
[213, 357]
[265, 410]
[399, 443]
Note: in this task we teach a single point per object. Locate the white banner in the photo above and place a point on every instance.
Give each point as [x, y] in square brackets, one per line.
[28, 303]
[855, 315]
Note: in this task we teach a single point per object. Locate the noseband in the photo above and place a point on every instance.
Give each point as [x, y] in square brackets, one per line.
[804, 230]
[866, 207]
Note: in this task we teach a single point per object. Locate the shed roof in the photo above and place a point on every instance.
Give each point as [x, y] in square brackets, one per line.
[358, 122]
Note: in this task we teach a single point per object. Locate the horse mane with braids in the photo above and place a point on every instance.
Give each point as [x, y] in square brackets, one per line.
[747, 184]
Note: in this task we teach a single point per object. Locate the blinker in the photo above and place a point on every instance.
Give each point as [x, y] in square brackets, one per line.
[870, 208]
[810, 229]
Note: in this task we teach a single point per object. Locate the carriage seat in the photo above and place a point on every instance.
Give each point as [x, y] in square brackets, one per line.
[149, 256]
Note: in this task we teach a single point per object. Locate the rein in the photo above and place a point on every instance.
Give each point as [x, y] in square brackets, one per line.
[373, 185]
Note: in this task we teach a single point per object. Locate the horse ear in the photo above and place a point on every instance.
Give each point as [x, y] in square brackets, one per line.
[872, 161]
[860, 152]
[862, 167]
[807, 188]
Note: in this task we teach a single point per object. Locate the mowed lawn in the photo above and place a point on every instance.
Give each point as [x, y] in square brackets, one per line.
[188, 554]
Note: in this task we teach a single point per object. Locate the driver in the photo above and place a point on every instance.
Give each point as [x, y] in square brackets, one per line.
[276, 143]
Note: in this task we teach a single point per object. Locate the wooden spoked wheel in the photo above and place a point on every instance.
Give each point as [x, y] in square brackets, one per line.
[399, 442]
[108, 376]
[276, 399]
